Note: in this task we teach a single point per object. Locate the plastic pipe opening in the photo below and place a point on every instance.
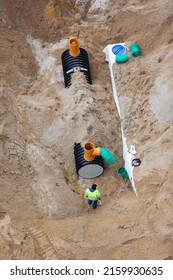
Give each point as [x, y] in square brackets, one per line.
[74, 46]
[90, 151]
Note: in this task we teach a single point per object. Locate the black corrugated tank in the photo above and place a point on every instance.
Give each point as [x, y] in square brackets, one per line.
[87, 169]
[72, 64]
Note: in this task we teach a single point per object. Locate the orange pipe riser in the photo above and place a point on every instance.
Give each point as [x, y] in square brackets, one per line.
[74, 47]
[96, 152]
[90, 151]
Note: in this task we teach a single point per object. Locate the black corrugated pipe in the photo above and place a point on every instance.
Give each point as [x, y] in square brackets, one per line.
[75, 59]
[87, 169]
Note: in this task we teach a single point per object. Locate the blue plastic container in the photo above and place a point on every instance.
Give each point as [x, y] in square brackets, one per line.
[118, 49]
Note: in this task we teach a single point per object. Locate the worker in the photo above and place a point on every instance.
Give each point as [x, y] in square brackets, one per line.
[93, 195]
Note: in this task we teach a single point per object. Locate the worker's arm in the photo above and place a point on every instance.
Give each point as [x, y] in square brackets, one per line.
[98, 195]
[86, 193]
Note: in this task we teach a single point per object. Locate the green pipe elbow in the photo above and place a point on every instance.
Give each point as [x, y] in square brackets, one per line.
[107, 156]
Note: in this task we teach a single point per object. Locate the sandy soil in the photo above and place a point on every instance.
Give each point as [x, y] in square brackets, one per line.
[43, 212]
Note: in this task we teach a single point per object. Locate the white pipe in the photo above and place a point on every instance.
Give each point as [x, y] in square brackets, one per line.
[110, 57]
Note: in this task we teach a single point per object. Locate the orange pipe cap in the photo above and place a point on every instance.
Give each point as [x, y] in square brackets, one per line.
[74, 46]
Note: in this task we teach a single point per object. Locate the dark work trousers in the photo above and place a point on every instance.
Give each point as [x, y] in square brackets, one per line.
[93, 202]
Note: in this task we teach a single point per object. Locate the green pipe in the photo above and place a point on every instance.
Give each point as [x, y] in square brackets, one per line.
[107, 156]
[122, 58]
[135, 50]
[123, 173]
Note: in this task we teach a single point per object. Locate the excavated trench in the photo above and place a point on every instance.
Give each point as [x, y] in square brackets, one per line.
[43, 212]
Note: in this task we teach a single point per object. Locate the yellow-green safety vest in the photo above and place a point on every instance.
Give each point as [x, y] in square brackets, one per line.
[95, 195]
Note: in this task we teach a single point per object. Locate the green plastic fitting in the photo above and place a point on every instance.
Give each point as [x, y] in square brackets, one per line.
[122, 58]
[107, 156]
[123, 173]
[135, 50]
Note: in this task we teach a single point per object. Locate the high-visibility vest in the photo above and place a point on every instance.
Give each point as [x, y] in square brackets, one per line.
[95, 195]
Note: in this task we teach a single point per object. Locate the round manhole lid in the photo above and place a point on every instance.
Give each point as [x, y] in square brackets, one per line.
[90, 171]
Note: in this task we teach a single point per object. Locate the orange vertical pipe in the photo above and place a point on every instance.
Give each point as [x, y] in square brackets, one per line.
[90, 151]
[74, 46]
